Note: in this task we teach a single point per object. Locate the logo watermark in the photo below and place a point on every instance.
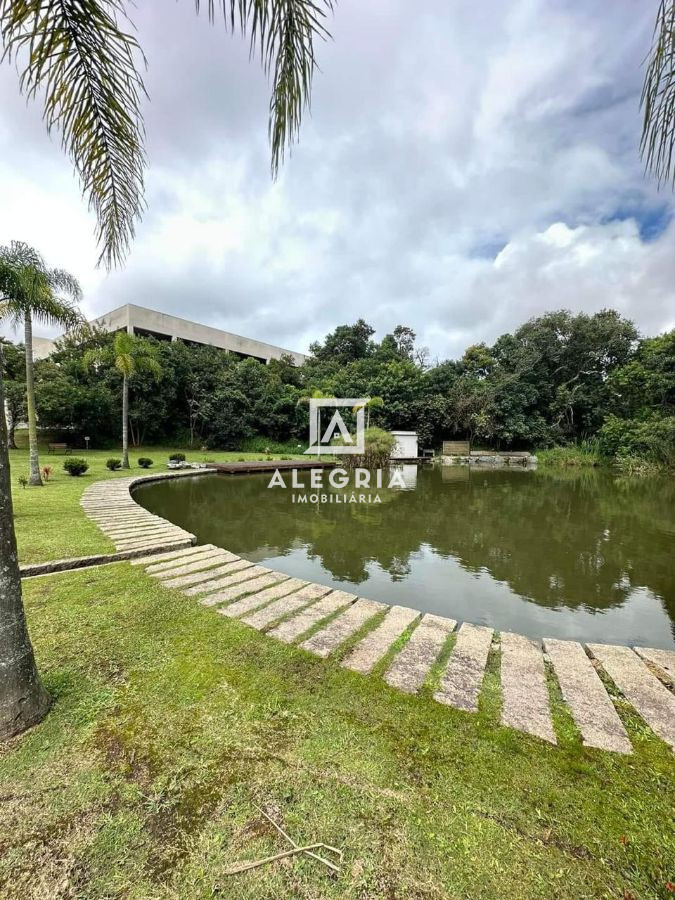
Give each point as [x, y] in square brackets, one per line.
[321, 442]
[338, 480]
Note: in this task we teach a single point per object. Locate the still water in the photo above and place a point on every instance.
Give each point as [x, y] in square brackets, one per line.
[583, 555]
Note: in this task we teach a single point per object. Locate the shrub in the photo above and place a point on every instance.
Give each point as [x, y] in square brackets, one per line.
[378, 445]
[113, 464]
[144, 462]
[177, 457]
[651, 440]
[23, 481]
[76, 466]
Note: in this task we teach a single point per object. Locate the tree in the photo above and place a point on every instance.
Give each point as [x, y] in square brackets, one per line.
[28, 290]
[346, 344]
[82, 56]
[15, 387]
[23, 700]
[127, 356]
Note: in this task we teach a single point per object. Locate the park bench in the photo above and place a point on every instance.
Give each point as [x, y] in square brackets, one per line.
[54, 448]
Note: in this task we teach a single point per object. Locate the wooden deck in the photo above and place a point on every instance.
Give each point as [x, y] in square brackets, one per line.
[264, 465]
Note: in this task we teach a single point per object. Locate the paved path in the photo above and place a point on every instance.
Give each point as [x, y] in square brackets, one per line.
[321, 620]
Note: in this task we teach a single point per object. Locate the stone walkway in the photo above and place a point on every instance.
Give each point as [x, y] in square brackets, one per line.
[404, 646]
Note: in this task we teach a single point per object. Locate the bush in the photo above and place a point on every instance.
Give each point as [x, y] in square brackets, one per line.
[651, 440]
[144, 462]
[23, 481]
[113, 464]
[177, 457]
[76, 466]
[378, 444]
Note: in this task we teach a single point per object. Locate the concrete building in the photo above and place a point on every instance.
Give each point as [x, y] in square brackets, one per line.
[150, 323]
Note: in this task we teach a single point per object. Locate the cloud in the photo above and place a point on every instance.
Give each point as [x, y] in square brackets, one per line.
[452, 177]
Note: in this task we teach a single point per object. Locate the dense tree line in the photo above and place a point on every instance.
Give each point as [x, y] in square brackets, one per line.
[559, 378]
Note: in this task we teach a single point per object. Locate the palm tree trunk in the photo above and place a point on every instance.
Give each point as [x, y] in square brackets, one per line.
[23, 700]
[34, 469]
[125, 422]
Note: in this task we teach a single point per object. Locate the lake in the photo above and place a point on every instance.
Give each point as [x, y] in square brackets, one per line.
[579, 554]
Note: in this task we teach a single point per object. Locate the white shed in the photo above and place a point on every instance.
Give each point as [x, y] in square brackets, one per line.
[406, 445]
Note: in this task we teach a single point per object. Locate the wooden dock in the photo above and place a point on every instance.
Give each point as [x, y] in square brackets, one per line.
[265, 465]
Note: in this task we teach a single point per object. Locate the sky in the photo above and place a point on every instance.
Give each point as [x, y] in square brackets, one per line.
[465, 166]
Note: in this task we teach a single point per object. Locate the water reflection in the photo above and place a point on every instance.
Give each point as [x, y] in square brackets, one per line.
[570, 554]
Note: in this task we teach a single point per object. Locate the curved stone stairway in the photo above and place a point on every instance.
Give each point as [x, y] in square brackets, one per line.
[321, 620]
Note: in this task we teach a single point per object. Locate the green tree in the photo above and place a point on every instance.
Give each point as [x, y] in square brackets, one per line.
[128, 355]
[30, 290]
[15, 387]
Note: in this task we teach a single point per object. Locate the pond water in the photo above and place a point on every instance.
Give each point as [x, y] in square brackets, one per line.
[582, 555]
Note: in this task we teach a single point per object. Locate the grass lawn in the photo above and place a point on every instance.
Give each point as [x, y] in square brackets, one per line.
[172, 726]
[50, 523]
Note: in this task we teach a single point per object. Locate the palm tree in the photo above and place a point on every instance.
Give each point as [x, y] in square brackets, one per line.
[371, 403]
[23, 700]
[128, 355]
[29, 290]
[658, 98]
[83, 62]
[81, 56]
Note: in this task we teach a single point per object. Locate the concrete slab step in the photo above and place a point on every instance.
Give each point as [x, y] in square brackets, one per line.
[338, 630]
[651, 699]
[525, 700]
[229, 568]
[463, 676]
[203, 561]
[411, 666]
[286, 605]
[375, 645]
[172, 555]
[215, 586]
[583, 691]
[252, 586]
[290, 629]
[664, 660]
[260, 598]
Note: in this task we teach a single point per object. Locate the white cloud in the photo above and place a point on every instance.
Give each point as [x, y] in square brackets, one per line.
[433, 142]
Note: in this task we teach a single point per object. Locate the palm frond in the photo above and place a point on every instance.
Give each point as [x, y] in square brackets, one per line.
[282, 34]
[63, 281]
[150, 365]
[84, 62]
[53, 310]
[658, 98]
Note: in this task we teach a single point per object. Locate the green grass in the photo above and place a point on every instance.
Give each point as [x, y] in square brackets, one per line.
[572, 455]
[50, 523]
[172, 726]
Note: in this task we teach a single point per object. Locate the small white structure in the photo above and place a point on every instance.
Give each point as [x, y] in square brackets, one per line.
[406, 445]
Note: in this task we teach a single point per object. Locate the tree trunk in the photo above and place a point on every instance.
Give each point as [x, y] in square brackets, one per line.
[125, 422]
[34, 467]
[23, 700]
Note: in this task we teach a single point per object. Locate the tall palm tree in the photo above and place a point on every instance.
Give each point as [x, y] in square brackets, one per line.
[30, 290]
[371, 403]
[128, 355]
[81, 56]
[658, 98]
[23, 700]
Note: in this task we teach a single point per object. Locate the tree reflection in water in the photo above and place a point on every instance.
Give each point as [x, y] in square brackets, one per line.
[572, 540]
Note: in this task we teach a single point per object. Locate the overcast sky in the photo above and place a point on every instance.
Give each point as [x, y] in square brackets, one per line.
[466, 166]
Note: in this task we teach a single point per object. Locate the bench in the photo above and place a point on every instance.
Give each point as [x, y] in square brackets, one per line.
[54, 448]
[456, 448]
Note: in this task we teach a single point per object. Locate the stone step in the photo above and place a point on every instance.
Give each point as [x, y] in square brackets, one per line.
[651, 699]
[253, 601]
[159, 538]
[191, 555]
[525, 701]
[229, 568]
[463, 676]
[204, 561]
[664, 660]
[290, 629]
[286, 605]
[375, 645]
[411, 666]
[174, 555]
[252, 586]
[223, 584]
[338, 630]
[583, 691]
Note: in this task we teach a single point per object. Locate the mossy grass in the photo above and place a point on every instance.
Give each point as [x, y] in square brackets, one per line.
[172, 726]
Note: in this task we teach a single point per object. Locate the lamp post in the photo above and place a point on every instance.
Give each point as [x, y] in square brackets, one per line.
[86, 440]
